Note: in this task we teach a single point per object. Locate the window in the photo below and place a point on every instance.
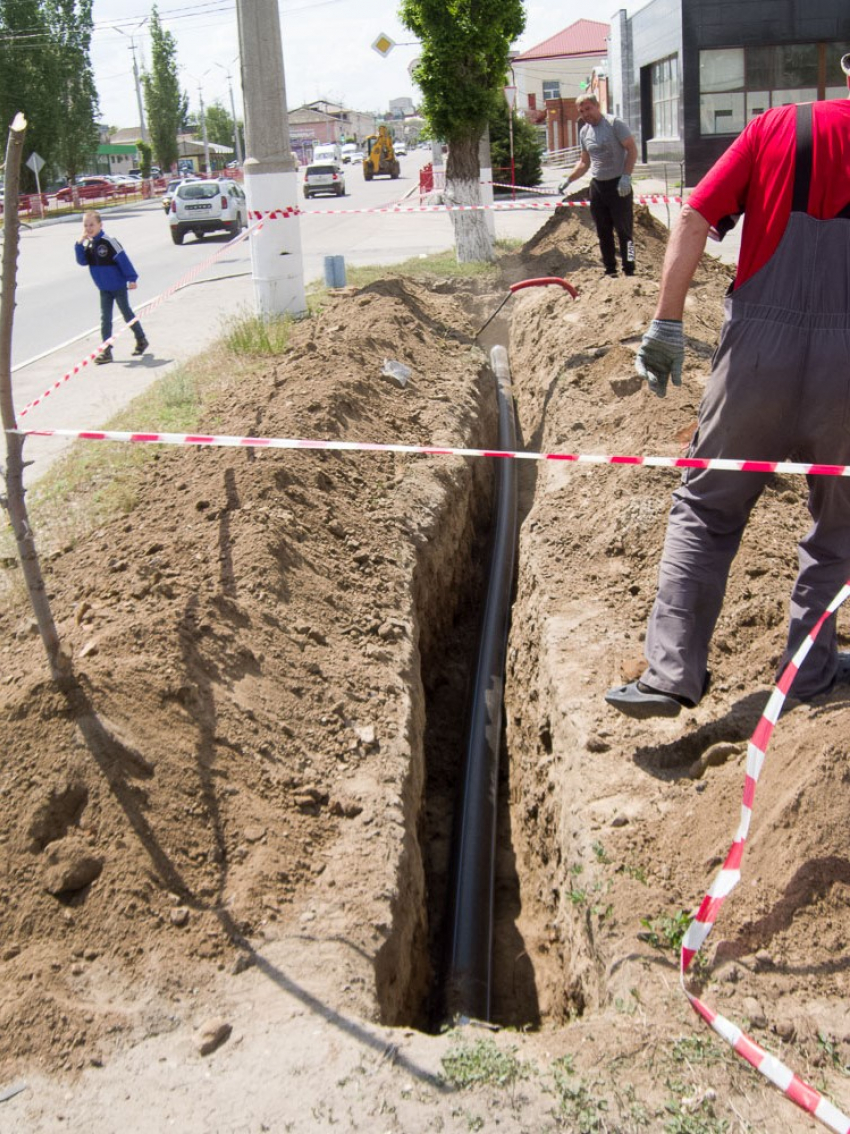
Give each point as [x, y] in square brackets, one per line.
[738, 83]
[551, 88]
[665, 98]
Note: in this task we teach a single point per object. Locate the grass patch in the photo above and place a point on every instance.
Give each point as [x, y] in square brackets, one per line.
[443, 264]
[256, 337]
[482, 1063]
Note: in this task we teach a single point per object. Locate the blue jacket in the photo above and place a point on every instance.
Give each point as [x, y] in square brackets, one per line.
[107, 261]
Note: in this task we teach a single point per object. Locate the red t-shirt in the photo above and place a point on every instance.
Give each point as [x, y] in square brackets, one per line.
[756, 177]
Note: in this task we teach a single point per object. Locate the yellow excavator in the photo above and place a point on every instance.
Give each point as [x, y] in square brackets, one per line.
[380, 156]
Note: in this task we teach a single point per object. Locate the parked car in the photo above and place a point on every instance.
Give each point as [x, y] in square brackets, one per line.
[218, 205]
[89, 188]
[358, 155]
[324, 177]
[123, 183]
[400, 149]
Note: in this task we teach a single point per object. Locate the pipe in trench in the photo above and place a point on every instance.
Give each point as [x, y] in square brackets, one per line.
[467, 987]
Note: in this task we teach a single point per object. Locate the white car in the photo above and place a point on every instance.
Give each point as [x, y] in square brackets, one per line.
[324, 177]
[218, 205]
[400, 149]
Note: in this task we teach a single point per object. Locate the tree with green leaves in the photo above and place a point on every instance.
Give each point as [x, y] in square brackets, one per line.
[71, 26]
[24, 38]
[465, 47]
[527, 149]
[219, 124]
[166, 104]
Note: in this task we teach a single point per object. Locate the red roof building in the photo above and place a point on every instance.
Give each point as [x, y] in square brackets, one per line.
[556, 72]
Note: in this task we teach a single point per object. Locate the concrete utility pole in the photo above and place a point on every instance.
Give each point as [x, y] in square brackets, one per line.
[141, 105]
[236, 139]
[271, 180]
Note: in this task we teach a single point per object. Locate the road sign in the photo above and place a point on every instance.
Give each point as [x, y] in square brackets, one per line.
[35, 162]
[383, 45]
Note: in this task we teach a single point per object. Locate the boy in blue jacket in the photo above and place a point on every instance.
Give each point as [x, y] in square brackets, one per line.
[113, 274]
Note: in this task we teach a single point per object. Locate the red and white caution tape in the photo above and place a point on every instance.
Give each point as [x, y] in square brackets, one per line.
[503, 206]
[800, 1092]
[151, 305]
[644, 199]
[793, 468]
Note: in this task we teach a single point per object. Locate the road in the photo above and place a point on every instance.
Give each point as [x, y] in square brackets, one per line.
[57, 314]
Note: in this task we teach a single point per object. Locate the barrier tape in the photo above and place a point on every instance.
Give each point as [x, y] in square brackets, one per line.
[644, 199]
[793, 468]
[800, 1092]
[504, 206]
[148, 307]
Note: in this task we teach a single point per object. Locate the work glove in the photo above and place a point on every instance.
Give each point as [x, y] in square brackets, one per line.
[624, 185]
[661, 354]
[562, 188]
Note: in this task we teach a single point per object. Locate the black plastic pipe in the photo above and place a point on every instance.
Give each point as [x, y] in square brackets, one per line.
[470, 928]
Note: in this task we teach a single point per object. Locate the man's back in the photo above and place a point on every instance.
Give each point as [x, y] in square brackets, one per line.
[756, 176]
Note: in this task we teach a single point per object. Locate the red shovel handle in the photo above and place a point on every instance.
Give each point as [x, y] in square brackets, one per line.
[543, 281]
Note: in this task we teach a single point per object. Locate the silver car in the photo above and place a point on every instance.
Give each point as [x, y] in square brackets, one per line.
[324, 177]
[200, 207]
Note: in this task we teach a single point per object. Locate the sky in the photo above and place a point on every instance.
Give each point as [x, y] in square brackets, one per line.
[327, 50]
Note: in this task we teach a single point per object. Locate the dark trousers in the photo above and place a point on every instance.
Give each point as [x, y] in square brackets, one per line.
[612, 213]
[107, 299]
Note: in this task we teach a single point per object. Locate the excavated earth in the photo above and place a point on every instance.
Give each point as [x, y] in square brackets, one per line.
[224, 863]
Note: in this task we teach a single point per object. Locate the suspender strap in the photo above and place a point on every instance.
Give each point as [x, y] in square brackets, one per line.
[803, 159]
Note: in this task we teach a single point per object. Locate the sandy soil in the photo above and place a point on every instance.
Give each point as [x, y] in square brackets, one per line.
[223, 865]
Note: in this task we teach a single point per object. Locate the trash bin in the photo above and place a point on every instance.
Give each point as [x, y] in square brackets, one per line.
[334, 271]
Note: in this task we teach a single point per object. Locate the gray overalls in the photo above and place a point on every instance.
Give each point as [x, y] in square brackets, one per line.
[779, 389]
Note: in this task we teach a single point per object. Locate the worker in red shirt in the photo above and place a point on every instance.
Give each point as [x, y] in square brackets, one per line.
[779, 387]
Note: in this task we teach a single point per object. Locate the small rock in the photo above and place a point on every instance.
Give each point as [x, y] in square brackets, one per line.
[179, 917]
[69, 867]
[597, 744]
[619, 821]
[366, 736]
[347, 808]
[754, 1012]
[254, 834]
[212, 1035]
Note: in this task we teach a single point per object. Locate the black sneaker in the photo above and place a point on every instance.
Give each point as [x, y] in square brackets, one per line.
[141, 346]
[610, 272]
[104, 356]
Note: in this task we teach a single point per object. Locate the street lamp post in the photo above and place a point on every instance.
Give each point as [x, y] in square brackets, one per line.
[236, 139]
[203, 118]
[131, 36]
[510, 96]
[271, 180]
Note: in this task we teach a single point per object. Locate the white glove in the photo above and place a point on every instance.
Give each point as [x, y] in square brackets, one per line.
[562, 188]
[624, 185]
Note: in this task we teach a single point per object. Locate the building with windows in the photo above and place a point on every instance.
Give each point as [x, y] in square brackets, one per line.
[687, 75]
[552, 74]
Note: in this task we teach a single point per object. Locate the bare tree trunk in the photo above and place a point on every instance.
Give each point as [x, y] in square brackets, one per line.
[463, 177]
[15, 501]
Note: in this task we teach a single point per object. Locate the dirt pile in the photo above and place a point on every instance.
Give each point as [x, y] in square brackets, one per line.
[273, 646]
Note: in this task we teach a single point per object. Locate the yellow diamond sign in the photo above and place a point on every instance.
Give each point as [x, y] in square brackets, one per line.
[383, 45]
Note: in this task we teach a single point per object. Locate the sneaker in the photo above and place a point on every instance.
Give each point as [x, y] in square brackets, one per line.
[104, 356]
[141, 346]
[610, 272]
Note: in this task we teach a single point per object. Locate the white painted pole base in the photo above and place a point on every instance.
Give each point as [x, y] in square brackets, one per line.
[277, 264]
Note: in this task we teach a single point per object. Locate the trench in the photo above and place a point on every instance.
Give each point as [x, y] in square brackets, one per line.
[477, 966]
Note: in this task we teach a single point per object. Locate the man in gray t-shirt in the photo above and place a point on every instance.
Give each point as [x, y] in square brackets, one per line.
[609, 151]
